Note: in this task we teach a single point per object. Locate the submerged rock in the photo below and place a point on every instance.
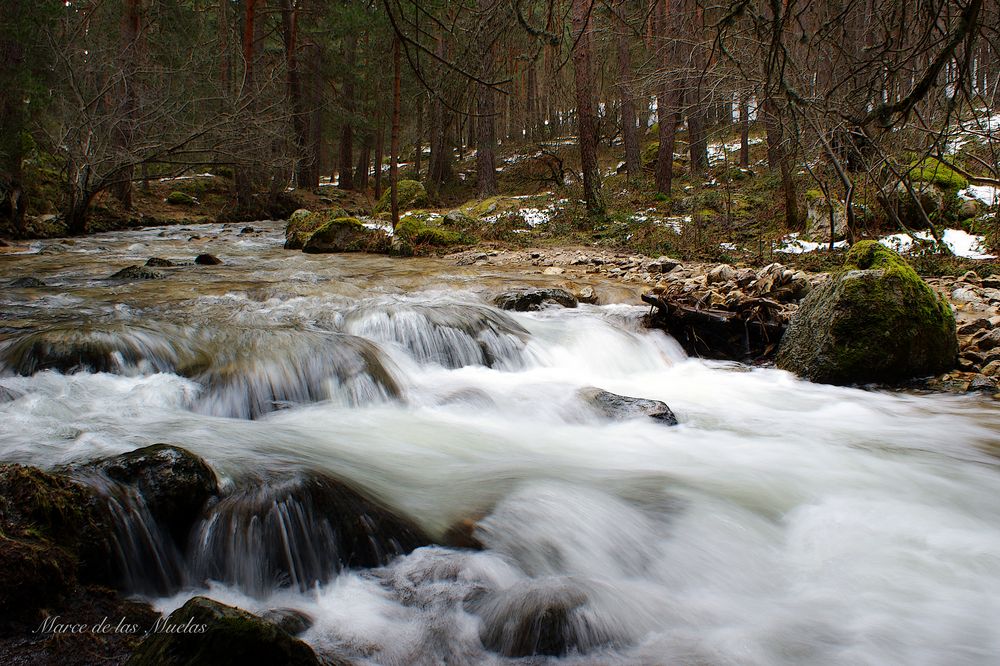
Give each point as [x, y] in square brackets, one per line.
[159, 262]
[207, 260]
[619, 407]
[26, 283]
[204, 632]
[136, 273]
[297, 532]
[8, 394]
[527, 300]
[876, 321]
[538, 618]
[174, 483]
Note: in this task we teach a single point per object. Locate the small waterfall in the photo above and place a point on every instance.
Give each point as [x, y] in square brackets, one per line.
[450, 335]
[296, 533]
[144, 559]
[119, 348]
[260, 371]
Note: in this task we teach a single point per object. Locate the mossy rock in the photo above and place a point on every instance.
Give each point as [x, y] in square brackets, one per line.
[50, 528]
[302, 223]
[875, 321]
[410, 194]
[345, 234]
[218, 635]
[417, 231]
[181, 199]
[932, 170]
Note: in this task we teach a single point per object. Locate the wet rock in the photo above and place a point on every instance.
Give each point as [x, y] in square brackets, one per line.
[662, 265]
[983, 383]
[620, 407]
[159, 262]
[207, 260]
[26, 283]
[8, 394]
[875, 322]
[50, 529]
[136, 273]
[297, 532]
[528, 300]
[174, 483]
[540, 617]
[992, 369]
[553, 270]
[463, 535]
[721, 274]
[987, 340]
[587, 295]
[974, 326]
[293, 621]
[206, 632]
[247, 230]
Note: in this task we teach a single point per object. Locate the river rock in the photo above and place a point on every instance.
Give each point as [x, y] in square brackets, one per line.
[539, 617]
[298, 532]
[26, 283]
[50, 529]
[345, 234]
[528, 300]
[8, 394]
[174, 483]
[293, 621]
[208, 633]
[207, 260]
[159, 262]
[620, 407]
[876, 321]
[136, 273]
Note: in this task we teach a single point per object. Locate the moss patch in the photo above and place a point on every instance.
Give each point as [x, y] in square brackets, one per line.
[932, 170]
[410, 194]
[345, 234]
[180, 199]
[418, 232]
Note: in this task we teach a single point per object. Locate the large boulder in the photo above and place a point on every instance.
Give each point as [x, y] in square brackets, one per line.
[410, 194]
[174, 483]
[49, 528]
[876, 321]
[345, 234]
[818, 218]
[302, 223]
[204, 632]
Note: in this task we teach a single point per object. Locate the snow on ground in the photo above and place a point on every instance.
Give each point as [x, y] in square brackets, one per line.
[197, 175]
[717, 151]
[988, 194]
[792, 244]
[980, 129]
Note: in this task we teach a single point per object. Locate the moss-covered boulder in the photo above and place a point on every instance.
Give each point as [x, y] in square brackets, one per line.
[204, 632]
[345, 234]
[875, 321]
[302, 223]
[933, 170]
[410, 194]
[181, 199]
[424, 229]
[49, 529]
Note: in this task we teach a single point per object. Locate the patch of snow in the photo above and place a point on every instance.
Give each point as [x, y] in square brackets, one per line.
[988, 194]
[792, 244]
[197, 175]
[961, 243]
[727, 246]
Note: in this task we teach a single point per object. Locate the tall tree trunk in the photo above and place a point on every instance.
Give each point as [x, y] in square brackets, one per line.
[666, 101]
[379, 152]
[779, 157]
[304, 161]
[744, 130]
[419, 144]
[362, 171]
[629, 134]
[585, 108]
[125, 133]
[244, 176]
[485, 127]
[13, 118]
[346, 179]
[394, 137]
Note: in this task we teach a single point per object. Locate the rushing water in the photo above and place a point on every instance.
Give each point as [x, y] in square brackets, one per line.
[781, 522]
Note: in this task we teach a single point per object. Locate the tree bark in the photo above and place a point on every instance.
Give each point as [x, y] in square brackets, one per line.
[666, 103]
[394, 138]
[346, 178]
[379, 152]
[12, 121]
[630, 135]
[585, 108]
[485, 126]
[125, 129]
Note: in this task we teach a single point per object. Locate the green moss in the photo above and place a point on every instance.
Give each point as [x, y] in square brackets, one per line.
[481, 208]
[345, 234]
[410, 194]
[180, 199]
[302, 223]
[650, 152]
[932, 170]
[416, 231]
[814, 195]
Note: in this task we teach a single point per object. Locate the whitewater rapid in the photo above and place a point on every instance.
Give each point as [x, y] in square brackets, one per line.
[781, 522]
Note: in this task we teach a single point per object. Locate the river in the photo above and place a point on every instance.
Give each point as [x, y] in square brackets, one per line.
[781, 522]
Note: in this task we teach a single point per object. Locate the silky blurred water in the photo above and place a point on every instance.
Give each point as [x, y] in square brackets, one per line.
[781, 522]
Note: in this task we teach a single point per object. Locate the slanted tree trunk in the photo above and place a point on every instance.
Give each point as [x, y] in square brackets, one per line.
[585, 108]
